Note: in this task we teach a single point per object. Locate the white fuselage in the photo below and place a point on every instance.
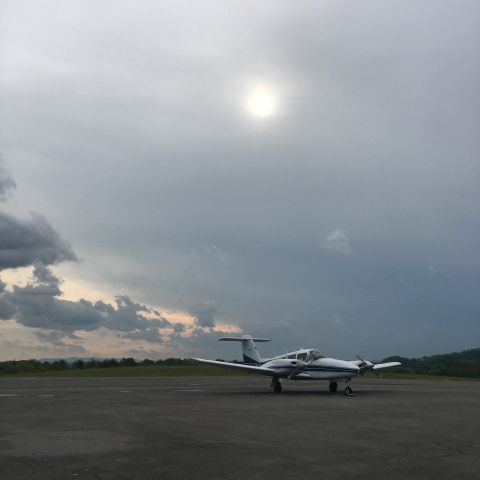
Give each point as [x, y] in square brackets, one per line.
[321, 369]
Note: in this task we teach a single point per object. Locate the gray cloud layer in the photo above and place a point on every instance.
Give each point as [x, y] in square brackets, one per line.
[24, 242]
[135, 124]
[37, 305]
[35, 242]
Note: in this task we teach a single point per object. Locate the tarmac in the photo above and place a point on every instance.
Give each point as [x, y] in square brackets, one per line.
[236, 428]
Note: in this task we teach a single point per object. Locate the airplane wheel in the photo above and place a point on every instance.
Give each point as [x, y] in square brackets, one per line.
[333, 387]
[349, 391]
[277, 388]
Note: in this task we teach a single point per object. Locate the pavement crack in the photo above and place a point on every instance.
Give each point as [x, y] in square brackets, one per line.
[450, 450]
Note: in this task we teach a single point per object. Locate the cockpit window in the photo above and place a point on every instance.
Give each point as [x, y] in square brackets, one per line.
[293, 355]
[302, 356]
[315, 355]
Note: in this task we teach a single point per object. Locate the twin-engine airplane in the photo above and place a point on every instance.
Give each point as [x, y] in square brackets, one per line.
[304, 364]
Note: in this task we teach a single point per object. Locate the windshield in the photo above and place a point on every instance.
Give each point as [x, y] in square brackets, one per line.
[315, 355]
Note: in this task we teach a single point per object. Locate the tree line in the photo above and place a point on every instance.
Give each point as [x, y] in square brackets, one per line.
[457, 364]
[26, 366]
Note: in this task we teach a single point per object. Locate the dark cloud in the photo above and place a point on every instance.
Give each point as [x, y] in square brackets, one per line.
[101, 306]
[38, 305]
[35, 242]
[204, 313]
[179, 327]
[128, 316]
[24, 242]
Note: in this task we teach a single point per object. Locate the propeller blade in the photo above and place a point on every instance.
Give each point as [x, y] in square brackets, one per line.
[361, 359]
[379, 366]
[299, 367]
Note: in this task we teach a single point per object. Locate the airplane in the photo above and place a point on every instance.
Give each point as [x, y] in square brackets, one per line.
[303, 364]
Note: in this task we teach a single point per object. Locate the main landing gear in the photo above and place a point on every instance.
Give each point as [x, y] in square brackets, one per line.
[276, 385]
[348, 389]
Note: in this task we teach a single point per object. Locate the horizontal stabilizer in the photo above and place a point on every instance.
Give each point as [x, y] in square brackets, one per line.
[378, 366]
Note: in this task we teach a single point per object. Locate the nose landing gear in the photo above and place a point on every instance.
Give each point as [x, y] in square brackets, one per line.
[348, 390]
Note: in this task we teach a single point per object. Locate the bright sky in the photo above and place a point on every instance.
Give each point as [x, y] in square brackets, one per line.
[305, 171]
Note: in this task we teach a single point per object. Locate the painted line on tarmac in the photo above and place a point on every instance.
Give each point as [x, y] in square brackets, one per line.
[9, 394]
[189, 390]
[75, 390]
[124, 391]
[46, 395]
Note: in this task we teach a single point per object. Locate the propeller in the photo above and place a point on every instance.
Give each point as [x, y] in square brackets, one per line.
[366, 365]
[300, 365]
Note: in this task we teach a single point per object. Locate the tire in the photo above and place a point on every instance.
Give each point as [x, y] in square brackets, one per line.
[348, 391]
[277, 388]
[333, 387]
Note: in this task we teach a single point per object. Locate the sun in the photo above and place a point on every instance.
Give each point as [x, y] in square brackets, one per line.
[262, 103]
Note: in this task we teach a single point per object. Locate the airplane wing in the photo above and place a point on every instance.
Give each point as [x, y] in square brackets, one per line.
[239, 366]
[379, 366]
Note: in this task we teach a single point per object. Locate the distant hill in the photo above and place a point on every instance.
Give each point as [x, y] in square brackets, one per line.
[457, 364]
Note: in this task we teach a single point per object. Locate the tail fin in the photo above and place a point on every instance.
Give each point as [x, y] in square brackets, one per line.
[249, 349]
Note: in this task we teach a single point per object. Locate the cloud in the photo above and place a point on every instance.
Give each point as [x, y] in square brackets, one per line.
[53, 337]
[52, 348]
[129, 316]
[24, 242]
[339, 241]
[204, 313]
[38, 305]
[7, 184]
[151, 335]
[178, 327]
[7, 307]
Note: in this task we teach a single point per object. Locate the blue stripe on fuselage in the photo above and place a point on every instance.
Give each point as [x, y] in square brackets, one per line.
[321, 369]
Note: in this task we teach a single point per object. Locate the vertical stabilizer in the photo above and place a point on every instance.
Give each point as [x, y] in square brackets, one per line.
[249, 349]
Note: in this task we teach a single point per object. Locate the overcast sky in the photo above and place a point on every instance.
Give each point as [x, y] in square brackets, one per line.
[304, 171]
